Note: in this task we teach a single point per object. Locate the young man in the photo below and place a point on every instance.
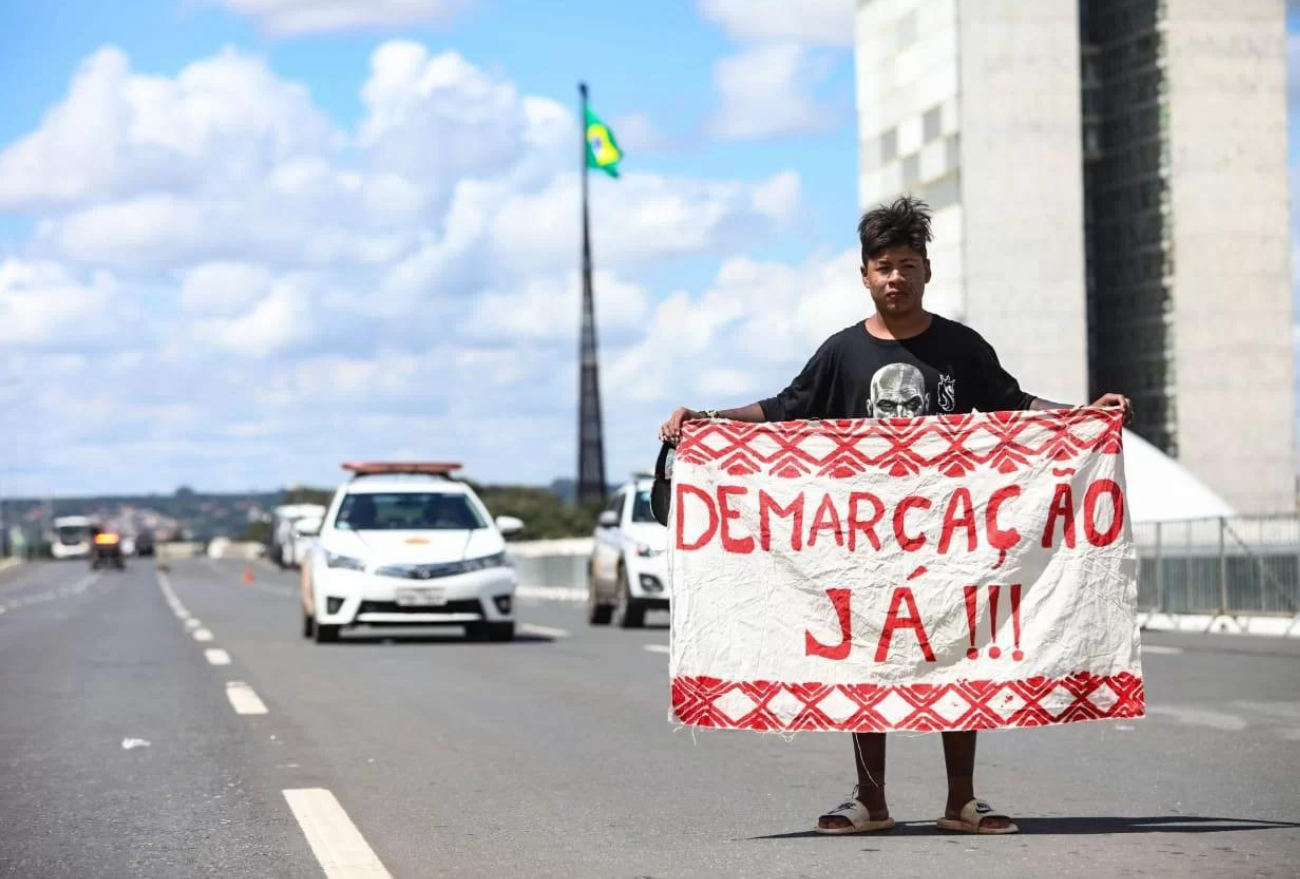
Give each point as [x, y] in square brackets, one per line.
[900, 362]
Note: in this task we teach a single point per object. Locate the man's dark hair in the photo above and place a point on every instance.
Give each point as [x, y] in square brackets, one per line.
[904, 222]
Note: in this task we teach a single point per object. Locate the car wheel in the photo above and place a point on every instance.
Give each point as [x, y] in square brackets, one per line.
[628, 612]
[326, 634]
[597, 614]
[501, 632]
[308, 625]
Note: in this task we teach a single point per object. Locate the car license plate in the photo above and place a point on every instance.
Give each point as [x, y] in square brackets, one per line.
[417, 597]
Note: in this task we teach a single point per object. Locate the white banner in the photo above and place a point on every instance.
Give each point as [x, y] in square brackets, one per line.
[942, 573]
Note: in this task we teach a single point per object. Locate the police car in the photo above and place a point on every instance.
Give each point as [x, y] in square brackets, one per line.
[407, 544]
[628, 571]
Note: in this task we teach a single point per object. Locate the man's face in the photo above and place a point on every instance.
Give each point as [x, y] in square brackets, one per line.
[896, 278]
[898, 391]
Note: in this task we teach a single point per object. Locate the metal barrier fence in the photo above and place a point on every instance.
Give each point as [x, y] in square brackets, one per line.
[552, 563]
[1237, 565]
[1240, 565]
[567, 571]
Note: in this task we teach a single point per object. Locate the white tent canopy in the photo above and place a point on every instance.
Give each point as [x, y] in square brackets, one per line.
[1162, 490]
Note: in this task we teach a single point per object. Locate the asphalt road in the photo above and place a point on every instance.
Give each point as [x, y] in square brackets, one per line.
[416, 755]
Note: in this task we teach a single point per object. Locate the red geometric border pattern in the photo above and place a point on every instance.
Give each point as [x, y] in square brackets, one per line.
[953, 445]
[769, 706]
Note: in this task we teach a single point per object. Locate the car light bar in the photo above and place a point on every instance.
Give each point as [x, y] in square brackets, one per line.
[106, 539]
[371, 468]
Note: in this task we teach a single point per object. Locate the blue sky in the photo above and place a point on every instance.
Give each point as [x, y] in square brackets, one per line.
[244, 240]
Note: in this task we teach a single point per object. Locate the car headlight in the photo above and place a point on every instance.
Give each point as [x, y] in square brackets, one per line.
[499, 560]
[347, 562]
[647, 552]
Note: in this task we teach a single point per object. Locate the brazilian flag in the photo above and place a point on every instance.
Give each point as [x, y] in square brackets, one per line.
[602, 149]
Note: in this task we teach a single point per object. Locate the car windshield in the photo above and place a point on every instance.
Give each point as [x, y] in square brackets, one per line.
[73, 534]
[641, 507]
[407, 511]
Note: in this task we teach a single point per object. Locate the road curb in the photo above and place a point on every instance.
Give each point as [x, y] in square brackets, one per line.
[1219, 624]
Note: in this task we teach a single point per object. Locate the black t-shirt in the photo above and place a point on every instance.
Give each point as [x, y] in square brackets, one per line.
[949, 368]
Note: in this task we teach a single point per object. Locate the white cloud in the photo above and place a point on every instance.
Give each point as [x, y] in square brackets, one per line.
[283, 317]
[768, 90]
[220, 122]
[726, 342]
[287, 17]
[223, 288]
[279, 294]
[823, 22]
[44, 306]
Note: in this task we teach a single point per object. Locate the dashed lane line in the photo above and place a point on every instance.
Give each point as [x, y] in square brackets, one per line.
[544, 631]
[656, 648]
[173, 601]
[202, 635]
[340, 848]
[1157, 650]
[217, 656]
[243, 699]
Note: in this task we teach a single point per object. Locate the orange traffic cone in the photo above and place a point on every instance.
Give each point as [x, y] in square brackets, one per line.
[248, 575]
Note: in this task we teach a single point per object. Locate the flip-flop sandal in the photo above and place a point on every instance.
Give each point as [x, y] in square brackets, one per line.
[973, 816]
[859, 820]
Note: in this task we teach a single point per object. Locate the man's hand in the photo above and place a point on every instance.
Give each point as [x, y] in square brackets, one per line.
[1108, 401]
[671, 430]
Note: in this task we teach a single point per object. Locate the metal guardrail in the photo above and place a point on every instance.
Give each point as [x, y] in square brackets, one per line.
[1242, 565]
[1238, 565]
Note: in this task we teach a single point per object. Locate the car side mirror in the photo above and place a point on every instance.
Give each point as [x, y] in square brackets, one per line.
[661, 492]
[509, 524]
[608, 519]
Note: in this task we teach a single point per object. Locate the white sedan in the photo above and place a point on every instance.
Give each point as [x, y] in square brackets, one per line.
[628, 572]
[406, 544]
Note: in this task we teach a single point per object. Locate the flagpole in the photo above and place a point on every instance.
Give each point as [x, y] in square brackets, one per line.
[591, 446]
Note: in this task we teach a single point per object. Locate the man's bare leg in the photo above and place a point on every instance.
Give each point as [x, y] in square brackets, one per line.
[959, 757]
[869, 755]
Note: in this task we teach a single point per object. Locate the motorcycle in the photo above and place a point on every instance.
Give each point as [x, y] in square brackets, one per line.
[106, 550]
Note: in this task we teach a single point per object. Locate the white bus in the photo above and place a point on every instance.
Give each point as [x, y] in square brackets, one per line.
[71, 537]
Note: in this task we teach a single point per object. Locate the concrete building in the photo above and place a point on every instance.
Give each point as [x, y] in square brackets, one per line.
[1109, 179]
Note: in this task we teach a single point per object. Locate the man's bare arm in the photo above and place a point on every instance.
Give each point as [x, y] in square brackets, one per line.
[1106, 400]
[671, 430]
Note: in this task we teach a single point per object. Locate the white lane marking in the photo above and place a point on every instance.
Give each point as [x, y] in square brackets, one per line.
[217, 656]
[1156, 650]
[192, 623]
[243, 699]
[341, 849]
[130, 744]
[202, 635]
[546, 631]
[173, 601]
[53, 594]
[657, 648]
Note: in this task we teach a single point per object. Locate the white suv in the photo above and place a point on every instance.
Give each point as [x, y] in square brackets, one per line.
[405, 544]
[628, 572]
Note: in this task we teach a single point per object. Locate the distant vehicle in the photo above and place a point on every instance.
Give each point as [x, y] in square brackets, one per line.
[406, 544]
[71, 537]
[628, 571]
[106, 550]
[144, 544]
[281, 549]
[305, 531]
